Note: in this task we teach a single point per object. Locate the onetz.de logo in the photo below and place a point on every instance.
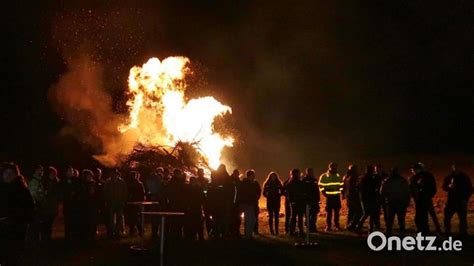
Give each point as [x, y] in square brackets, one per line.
[377, 241]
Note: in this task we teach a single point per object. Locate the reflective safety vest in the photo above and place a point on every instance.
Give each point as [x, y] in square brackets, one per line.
[331, 184]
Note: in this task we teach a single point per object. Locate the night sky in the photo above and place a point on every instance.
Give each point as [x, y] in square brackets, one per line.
[309, 82]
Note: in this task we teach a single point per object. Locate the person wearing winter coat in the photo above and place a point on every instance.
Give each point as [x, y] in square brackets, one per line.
[136, 193]
[194, 226]
[395, 193]
[331, 185]
[351, 195]
[312, 191]
[369, 192]
[248, 193]
[71, 192]
[422, 189]
[220, 199]
[51, 201]
[115, 198]
[296, 190]
[16, 212]
[459, 188]
[272, 191]
[36, 187]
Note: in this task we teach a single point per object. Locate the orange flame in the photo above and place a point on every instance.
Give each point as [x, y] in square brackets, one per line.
[160, 115]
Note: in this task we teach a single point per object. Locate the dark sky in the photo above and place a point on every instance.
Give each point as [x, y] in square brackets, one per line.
[309, 82]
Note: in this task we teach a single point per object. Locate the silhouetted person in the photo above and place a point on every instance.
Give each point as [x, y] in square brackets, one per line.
[331, 185]
[37, 193]
[89, 205]
[395, 193]
[287, 204]
[115, 198]
[177, 201]
[236, 219]
[351, 194]
[136, 192]
[381, 175]
[220, 201]
[194, 213]
[273, 190]
[297, 194]
[166, 175]
[459, 188]
[312, 191]
[71, 191]
[51, 200]
[204, 185]
[154, 186]
[423, 189]
[369, 191]
[16, 211]
[99, 182]
[249, 192]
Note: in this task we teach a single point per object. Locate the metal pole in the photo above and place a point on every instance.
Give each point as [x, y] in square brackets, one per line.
[162, 239]
[142, 233]
[307, 224]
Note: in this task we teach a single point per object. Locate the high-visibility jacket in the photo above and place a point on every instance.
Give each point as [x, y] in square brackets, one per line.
[331, 184]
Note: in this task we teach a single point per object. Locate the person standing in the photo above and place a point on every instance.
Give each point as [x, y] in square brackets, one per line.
[194, 210]
[249, 192]
[297, 193]
[99, 183]
[459, 188]
[312, 191]
[351, 194]
[37, 193]
[236, 219]
[176, 194]
[203, 183]
[115, 198]
[220, 200]
[287, 204]
[16, 211]
[331, 185]
[89, 205]
[51, 201]
[369, 191]
[395, 193]
[136, 193]
[273, 190]
[423, 189]
[381, 175]
[154, 187]
[71, 189]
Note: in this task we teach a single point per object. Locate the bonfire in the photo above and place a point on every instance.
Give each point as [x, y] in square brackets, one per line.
[171, 130]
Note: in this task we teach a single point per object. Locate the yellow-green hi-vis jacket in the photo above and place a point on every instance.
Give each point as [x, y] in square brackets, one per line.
[331, 184]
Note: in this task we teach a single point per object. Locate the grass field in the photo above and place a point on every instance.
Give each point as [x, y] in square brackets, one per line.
[335, 248]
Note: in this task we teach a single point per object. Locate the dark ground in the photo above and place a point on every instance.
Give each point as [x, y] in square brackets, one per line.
[333, 250]
[336, 248]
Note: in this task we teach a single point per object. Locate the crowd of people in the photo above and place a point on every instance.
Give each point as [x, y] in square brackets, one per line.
[217, 205]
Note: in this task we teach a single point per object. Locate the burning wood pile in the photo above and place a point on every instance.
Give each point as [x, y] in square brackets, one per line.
[183, 155]
[166, 128]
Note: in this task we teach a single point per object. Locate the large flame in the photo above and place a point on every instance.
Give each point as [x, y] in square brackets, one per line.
[160, 114]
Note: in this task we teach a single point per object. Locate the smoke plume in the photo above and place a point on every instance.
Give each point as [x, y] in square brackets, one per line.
[80, 99]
